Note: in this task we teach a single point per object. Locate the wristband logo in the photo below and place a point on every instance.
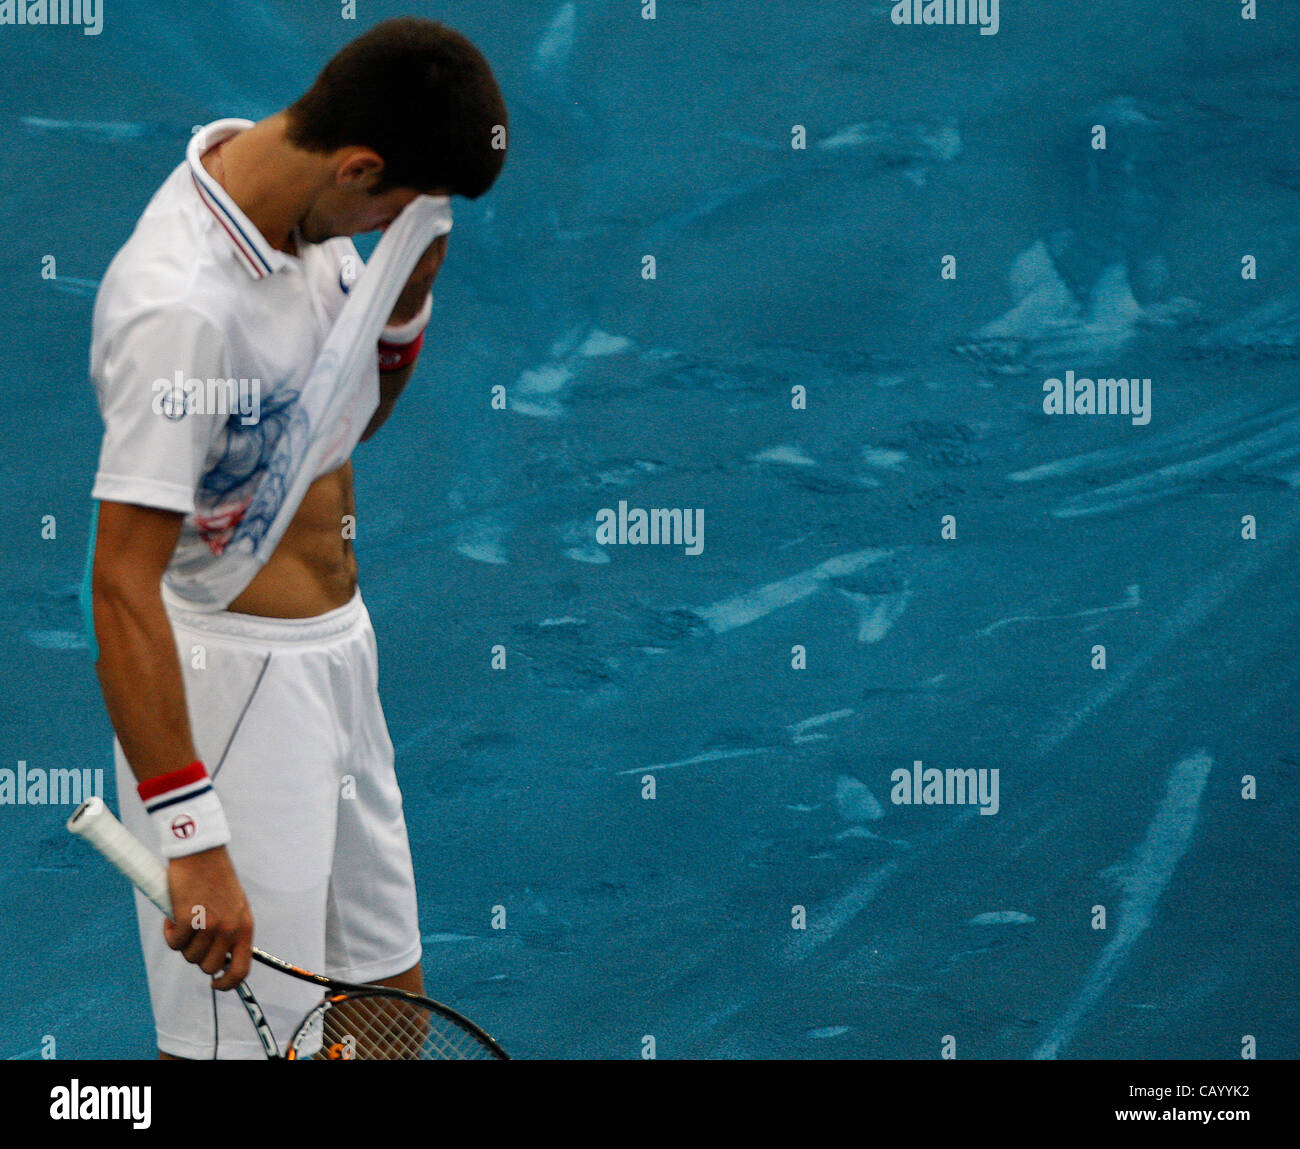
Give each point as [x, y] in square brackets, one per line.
[182, 826]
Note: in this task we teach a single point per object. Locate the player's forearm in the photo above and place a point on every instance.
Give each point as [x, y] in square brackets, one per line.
[416, 289]
[140, 675]
[404, 334]
[391, 385]
[411, 300]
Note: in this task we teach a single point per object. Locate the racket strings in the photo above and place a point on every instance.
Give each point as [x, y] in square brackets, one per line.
[372, 1027]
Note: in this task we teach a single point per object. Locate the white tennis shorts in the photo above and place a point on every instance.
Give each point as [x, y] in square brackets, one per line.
[285, 714]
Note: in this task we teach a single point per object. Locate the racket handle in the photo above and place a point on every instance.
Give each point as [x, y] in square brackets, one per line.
[94, 822]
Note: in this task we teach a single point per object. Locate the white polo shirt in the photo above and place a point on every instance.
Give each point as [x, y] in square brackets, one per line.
[203, 335]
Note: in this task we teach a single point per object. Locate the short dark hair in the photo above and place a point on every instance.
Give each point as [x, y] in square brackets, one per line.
[420, 95]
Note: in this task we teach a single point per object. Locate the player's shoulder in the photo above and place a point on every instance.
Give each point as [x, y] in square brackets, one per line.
[172, 301]
[165, 267]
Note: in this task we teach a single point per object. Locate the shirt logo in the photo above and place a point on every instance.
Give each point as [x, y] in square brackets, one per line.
[173, 404]
[347, 274]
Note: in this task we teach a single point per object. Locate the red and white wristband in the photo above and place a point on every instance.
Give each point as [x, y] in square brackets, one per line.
[400, 346]
[186, 811]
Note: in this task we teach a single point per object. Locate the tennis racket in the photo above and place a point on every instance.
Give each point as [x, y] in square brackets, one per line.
[351, 1022]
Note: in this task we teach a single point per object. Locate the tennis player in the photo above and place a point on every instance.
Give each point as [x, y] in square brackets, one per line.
[250, 743]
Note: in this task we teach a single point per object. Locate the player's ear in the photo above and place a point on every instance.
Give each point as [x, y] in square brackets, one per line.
[359, 169]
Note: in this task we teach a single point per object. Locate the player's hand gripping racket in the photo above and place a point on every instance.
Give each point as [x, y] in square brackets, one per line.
[352, 1022]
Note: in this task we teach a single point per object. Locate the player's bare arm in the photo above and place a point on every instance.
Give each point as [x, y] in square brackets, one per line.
[140, 674]
[409, 305]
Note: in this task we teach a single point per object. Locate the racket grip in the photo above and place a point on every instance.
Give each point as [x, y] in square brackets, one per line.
[94, 822]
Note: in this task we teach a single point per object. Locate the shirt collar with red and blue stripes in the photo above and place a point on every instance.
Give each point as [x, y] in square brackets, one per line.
[254, 252]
